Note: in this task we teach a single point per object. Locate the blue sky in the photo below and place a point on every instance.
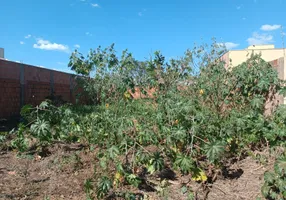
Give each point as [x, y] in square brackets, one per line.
[45, 32]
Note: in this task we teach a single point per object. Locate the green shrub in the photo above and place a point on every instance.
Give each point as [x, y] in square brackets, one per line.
[196, 118]
[274, 187]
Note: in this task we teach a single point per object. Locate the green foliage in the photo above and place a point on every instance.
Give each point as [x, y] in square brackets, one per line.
[41, 130]
[132, 179]
[184, 163]
[20, 142]
[214, 150]
[199, 114]
[3, 136]
[104, 185]
[275, 182]
[156, 162]
[88, 187]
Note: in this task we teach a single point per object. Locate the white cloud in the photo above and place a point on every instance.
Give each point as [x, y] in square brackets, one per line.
[61, 63]
[141, 13]
[28, 36]
[229, 45]
[88, 33]
[268, 27]
[21, 42]
[77, 46]
[95, 5]
[260, 39]
[47, 45]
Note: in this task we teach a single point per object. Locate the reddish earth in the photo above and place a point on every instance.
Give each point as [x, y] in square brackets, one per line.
[62, 169]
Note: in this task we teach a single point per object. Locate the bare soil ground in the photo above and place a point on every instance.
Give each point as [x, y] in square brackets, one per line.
[245, 184]
[60, 172]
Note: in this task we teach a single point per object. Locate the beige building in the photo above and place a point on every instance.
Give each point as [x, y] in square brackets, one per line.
[268, 53]
[275, 56]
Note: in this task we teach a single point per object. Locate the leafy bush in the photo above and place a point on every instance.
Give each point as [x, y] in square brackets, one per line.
[195, 119]
[275, 182]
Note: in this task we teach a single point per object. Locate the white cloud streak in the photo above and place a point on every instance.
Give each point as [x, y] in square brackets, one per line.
[21, 42]
[229, 45]
[28, 36]
[61, 63]
[257, 39]
[95, 5]
[268, 27]
[47, 45]
[77, 46]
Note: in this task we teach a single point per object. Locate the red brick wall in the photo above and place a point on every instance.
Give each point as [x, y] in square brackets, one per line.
[9, 97]
[37, 84]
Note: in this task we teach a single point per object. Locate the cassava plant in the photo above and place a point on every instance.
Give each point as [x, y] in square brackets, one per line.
[274, 187]
[192, 115]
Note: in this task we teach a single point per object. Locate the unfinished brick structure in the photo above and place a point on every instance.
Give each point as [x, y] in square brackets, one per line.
[22, 84]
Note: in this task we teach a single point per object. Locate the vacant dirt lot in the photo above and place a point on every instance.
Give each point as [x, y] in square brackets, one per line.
[60, 171]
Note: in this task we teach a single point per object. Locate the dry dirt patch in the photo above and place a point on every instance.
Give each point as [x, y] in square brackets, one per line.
[62, 172]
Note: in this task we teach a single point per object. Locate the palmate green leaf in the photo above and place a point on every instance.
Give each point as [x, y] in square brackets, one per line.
[26, 110]
[133, 180]
[282, 91]
[281, 184]
[214, 150]
[142, 157]
[88, 185]
[280, 166]
[275, 182]
[44, 105]
[257, 102]
[179, 135]
[273, 195]
[269, 177]
[113, 152]
[157, 161]
[40, 128]
[184, 163]
[265, 190]
[104, 185]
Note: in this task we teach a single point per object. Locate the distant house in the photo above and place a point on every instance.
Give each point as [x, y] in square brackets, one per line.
[268, 53]
[275, 56]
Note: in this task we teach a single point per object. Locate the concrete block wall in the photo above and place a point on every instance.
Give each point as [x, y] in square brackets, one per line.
[22, 84]
[279, 66]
